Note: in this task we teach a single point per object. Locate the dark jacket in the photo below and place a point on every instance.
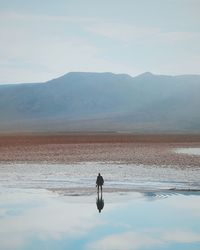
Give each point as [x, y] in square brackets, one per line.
[100, 180]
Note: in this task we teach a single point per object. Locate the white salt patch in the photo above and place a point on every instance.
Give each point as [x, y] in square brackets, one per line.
[190, 151]
[83, 175]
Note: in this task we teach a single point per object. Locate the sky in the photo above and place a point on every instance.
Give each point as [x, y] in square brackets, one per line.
[44, 39]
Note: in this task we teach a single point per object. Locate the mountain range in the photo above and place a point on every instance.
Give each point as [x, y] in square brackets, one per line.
[103, 102]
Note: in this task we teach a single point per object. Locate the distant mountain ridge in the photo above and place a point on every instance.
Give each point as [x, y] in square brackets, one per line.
[89, 102]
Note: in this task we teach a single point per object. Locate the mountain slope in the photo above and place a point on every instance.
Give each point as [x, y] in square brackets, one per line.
[103, 102]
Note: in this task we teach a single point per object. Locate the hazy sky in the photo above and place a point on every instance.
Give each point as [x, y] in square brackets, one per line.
[43, 39]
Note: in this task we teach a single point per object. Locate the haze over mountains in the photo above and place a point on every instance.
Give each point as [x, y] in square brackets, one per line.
[89, 102]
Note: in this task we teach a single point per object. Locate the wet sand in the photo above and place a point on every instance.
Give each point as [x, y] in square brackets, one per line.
[123, 148]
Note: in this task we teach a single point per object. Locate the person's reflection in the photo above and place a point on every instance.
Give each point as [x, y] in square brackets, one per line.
[100, 201]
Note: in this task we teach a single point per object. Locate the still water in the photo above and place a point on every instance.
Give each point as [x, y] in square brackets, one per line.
[39, 219]
[189, 151]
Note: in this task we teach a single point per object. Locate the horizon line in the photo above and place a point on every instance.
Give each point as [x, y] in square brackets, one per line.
[101, 72]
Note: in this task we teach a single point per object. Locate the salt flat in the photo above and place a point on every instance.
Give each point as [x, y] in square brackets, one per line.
[48, 197]
[81, 177]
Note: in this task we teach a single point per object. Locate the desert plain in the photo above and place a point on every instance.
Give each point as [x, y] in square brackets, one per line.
[112, 147]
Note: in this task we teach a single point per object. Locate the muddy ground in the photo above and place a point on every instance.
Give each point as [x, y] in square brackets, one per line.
[123, 148]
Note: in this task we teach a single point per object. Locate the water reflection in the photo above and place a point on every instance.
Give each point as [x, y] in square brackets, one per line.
[190, 151]
[100, 201]
[39, 220]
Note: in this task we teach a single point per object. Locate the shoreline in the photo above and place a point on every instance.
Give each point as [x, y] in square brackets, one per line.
[79, 191]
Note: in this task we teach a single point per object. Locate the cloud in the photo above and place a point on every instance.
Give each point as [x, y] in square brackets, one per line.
[187, 205]
[20, 16]
[127, 241]
[176, 37]
[35, 48]
[129, 33]
[44, 217]
[180, 236]
[36, 57]
[133, 240]
[121, 31]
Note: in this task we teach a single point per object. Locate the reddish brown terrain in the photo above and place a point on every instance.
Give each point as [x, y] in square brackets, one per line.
[124, 148]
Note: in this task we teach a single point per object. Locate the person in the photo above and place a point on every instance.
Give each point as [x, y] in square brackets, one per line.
[99, 182]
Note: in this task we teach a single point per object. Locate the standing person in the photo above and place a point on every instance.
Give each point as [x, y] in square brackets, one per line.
[99, 182]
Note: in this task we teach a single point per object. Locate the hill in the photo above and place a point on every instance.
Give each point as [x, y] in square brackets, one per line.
[103, 102]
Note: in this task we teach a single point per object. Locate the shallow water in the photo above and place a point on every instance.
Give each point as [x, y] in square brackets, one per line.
[151, 217]
[38, 219]
[190, 151]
